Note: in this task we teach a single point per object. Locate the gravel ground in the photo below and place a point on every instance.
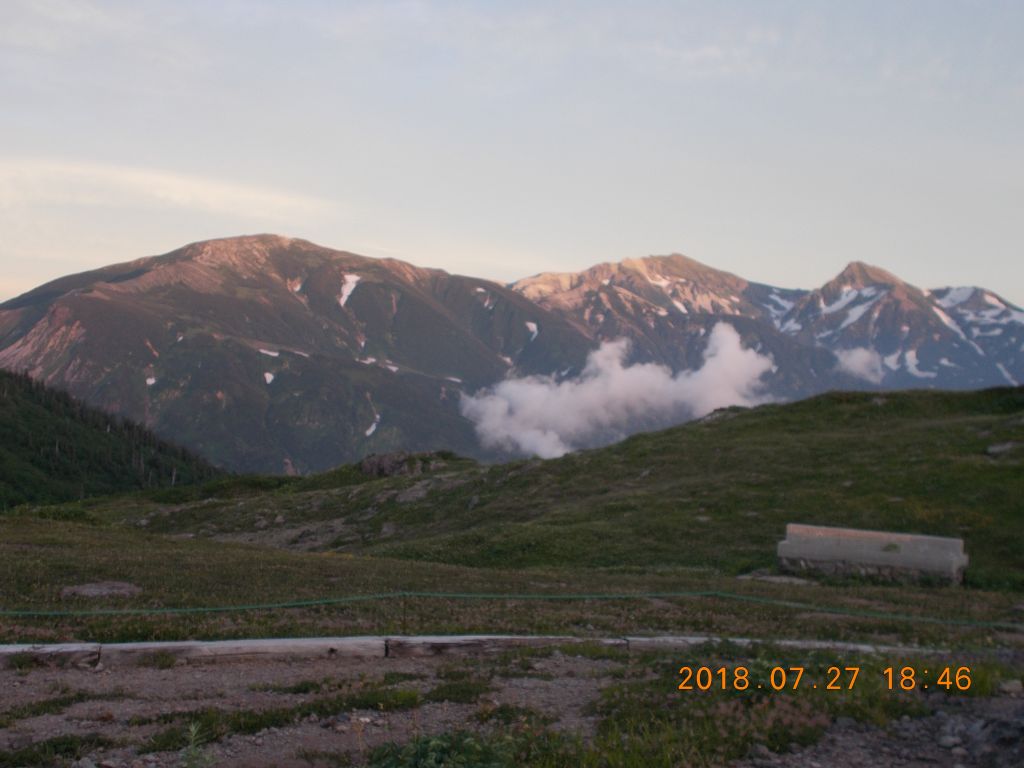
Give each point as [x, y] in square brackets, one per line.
[968, 732]
[560, 688]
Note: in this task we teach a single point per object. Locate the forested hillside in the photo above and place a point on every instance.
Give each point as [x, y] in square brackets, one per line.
[55, 448]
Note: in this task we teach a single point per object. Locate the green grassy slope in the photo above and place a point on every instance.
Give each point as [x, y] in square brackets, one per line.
[38, 558]
[686, 509]
[714, 495]
[719, 493]
[53, 448]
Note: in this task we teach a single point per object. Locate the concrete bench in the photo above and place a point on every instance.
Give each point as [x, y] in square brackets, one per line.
[848, 551]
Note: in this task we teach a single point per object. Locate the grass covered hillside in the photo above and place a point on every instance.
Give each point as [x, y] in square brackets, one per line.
[713, 495]
[54, 448]
[717, 494]
[687, 510]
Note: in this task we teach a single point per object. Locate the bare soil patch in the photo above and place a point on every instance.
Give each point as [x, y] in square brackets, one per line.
[126, 704]
[294, 713]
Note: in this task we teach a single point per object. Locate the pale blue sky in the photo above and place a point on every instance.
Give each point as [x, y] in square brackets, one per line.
[778, 140]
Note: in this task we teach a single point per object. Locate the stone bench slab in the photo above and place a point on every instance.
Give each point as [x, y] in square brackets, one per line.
[851, 551]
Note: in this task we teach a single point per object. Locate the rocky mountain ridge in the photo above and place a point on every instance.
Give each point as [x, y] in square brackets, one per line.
[267, 353]
[878, 328]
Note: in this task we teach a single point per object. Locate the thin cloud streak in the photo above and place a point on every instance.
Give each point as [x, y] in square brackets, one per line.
[58, 182]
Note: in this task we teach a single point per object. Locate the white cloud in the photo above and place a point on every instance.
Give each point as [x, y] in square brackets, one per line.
[27, 182]
[861, 362]
[539, 415]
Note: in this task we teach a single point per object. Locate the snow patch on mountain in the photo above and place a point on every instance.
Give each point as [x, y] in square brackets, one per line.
[912, 366]
[376, 416]
[856, 313]
[993, 316]
[348, 284]
[955, 297]
[990, 299]
[847, 296]
[487, 297]
[1007, 375]
[659, 281]
[948, 322]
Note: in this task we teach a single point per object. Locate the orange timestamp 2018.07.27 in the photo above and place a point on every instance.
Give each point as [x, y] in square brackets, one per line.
[833, 678]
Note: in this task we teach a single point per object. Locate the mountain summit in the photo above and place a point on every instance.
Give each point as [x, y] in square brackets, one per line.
[276, 354]
[857, 274]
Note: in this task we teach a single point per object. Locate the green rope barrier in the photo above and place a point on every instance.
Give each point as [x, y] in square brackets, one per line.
[382, 596]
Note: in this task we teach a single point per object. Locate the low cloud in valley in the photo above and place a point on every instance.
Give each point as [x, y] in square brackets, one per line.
[542, 416]
[861, 362]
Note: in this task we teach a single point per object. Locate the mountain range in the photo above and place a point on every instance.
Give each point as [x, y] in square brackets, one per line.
[272, 354]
